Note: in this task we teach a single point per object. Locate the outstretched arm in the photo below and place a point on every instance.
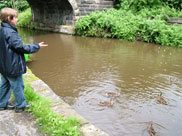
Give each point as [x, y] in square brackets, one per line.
[15, 43]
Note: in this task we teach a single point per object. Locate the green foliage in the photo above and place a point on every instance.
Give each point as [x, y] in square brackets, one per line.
[5, 3]
[157, 31]
[149, 25]
[162, 13]
[140, 4]
[177, 4]
[20, 5]
[25, 18]
[107, 24]
[50, 122]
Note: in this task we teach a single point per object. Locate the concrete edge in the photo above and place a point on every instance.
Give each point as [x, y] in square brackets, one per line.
[60, 107]
[65, 29]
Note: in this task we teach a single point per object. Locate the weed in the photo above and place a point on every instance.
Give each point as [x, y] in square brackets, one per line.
[50, 122]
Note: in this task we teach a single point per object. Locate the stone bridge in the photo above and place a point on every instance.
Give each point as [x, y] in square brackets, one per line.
[54, 14]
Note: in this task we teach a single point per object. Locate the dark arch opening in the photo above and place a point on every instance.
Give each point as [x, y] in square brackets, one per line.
[48, 12]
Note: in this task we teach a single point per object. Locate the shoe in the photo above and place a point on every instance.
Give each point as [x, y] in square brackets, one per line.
[21, 109]
[9, 107]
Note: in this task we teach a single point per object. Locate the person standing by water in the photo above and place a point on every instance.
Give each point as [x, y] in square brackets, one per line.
[12, 61]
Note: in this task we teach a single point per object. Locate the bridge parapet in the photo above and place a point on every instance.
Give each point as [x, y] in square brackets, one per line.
[88, 6]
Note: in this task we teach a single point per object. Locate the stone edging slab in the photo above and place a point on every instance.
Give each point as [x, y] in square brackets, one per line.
[60, 107]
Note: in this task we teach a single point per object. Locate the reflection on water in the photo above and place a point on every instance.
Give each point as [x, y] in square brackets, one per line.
[83, 70]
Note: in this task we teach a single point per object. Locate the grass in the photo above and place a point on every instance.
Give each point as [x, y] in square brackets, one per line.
[30, 77]
[50, 122]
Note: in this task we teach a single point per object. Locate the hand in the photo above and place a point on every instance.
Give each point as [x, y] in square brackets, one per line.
[42, 45]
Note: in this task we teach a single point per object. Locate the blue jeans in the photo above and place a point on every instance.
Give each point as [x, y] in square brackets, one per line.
[12, 83]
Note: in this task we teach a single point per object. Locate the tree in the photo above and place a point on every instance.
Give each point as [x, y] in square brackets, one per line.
[13, 4]
[19, 5]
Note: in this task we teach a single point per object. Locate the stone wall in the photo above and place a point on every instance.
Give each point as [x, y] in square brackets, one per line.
[52, 15]
[88, 6]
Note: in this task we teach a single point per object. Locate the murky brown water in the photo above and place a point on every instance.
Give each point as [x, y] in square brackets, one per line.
[82, 71]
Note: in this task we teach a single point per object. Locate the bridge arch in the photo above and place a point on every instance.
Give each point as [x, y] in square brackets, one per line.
[58, 12]
[52, 14]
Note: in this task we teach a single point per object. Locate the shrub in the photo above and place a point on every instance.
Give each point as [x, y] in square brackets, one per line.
[140, 4]
[147, 25]
[137, 5]
[25, 18]
[177, 4]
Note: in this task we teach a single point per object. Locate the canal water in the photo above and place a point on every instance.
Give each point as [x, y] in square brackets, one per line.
[83, 70]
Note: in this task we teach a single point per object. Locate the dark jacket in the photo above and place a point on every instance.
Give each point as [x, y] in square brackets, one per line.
[12, 61]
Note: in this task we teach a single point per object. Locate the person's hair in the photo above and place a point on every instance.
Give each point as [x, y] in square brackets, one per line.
[7, 14]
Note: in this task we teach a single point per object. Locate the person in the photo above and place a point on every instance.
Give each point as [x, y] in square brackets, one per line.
[12, 61]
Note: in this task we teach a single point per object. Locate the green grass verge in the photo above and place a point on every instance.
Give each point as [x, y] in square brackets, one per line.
[50, 122]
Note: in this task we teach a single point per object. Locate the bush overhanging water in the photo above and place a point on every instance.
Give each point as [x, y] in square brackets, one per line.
[145, 24]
